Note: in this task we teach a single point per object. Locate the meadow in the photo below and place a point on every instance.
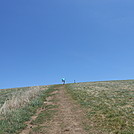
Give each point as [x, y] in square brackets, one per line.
[109, 105]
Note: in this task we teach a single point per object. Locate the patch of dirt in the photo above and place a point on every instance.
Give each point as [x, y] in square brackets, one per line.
[48, 100]
[54, 92]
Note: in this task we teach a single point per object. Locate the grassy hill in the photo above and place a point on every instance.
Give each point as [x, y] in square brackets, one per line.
[109, 106]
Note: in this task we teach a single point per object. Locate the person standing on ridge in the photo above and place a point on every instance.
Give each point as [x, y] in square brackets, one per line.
[63, 80]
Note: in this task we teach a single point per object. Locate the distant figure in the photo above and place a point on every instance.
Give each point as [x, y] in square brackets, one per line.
[63, 80]
[74, 81]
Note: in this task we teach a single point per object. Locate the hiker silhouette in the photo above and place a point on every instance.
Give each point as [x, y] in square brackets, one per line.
[63, 80]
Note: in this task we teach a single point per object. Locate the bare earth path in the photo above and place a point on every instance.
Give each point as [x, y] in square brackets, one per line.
[68, 120]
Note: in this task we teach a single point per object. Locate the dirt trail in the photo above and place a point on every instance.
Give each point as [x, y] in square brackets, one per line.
[69, 118]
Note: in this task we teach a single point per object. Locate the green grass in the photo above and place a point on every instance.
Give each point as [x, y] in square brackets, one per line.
[46, 115]
[13, 122]
[109, 105]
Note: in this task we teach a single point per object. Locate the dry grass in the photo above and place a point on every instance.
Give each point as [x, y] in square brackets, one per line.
[18, 105]
[110, 105]
[19, 99]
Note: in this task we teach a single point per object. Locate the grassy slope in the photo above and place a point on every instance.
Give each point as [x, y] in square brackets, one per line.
[7, 93]
[46, 115]
[109, 105]
[13, 121]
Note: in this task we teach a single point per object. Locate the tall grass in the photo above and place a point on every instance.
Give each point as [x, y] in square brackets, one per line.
[18, 99]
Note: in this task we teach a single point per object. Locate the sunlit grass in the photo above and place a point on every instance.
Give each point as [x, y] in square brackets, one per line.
[11, 100]
[14, 115]
[109, 105]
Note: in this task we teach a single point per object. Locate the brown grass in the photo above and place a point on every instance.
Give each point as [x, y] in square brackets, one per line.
[19, 99]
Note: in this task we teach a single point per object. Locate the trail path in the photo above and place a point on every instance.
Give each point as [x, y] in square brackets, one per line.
[69, 118]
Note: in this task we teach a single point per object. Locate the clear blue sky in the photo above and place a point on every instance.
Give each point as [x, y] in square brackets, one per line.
[42, 41]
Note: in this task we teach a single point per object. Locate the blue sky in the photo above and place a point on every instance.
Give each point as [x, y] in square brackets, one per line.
[42, 41]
